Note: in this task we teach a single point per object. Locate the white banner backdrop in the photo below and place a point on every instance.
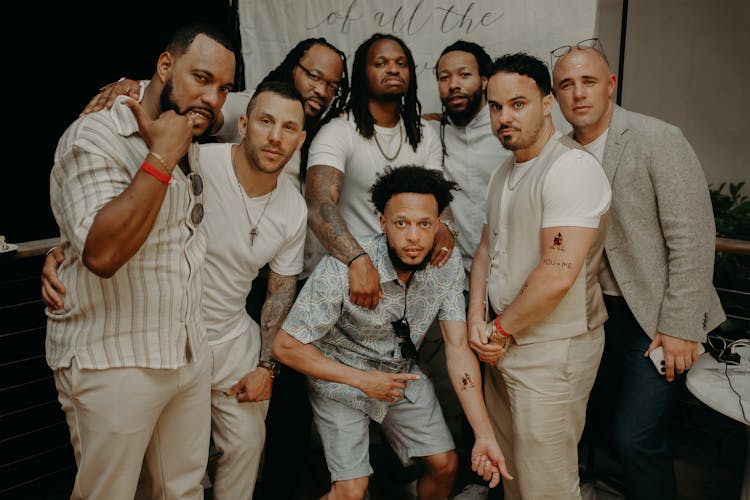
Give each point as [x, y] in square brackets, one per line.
[270, 28]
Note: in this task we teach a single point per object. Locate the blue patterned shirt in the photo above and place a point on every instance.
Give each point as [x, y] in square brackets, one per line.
[364, 338]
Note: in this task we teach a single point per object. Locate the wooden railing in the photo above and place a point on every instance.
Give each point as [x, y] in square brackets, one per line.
[741, 247]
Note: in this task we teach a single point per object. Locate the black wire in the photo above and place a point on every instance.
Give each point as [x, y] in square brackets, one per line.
[739, 396]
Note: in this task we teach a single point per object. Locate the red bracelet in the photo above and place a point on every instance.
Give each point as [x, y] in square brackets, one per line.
[157, 174]
[499, 327]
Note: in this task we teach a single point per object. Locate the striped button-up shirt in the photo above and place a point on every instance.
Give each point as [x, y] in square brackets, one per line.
[148, 313]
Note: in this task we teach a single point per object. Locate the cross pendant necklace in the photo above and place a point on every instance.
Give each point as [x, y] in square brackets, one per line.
[253, 226]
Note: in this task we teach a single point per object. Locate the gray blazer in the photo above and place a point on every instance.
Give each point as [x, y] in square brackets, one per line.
[661, 235]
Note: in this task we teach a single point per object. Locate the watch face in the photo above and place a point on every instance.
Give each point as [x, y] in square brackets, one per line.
[271, 366]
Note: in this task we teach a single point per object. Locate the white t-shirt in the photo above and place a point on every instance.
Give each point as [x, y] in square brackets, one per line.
[596, 147]
[339, 145]
[232, 263]
[606, 278]
[234, 107]
[576, 190]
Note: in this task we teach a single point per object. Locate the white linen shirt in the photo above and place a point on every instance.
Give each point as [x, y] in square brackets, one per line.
[473, 154]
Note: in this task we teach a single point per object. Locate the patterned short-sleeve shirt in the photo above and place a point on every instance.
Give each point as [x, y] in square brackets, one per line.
[364, 338]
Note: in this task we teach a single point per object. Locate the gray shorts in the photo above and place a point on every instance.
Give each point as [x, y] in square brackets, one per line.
[413, 430]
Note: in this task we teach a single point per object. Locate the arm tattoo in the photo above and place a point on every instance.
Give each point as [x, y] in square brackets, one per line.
[558, 263]
[466, 382]
[322, 190]
[279, 298]
[557, 243]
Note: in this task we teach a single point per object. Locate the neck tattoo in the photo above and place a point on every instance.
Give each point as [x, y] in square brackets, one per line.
[400, 142]
[253, 226]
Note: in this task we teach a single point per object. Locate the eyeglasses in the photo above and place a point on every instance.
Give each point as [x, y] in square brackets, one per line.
[196, 188]
[331, 88]
[403, 332]
[589, 43]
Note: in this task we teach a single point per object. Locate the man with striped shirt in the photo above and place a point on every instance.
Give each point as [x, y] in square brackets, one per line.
[128, 350]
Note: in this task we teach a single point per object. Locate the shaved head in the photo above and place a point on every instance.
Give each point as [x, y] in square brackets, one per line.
[583, 85]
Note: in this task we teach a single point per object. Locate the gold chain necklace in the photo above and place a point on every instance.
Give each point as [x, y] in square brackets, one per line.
[253, 228]
[400, 141]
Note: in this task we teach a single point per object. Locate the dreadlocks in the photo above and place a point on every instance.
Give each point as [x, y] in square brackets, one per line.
[484, 63]
[284, 72]
[411, 109]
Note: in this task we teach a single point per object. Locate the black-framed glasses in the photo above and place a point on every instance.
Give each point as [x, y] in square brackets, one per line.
[589, 43]
[196, 188]
[403, 332]
[331, 88]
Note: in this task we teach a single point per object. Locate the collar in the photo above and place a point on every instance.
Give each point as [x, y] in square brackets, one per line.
[123, 117]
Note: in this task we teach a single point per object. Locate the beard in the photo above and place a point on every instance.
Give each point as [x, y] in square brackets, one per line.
[464, 116]
[394, 96]
[403, 266]
[166, 103]
[312, 122]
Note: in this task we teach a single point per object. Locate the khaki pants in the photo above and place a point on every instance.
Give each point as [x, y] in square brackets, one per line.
[238, 429]
[536, 398]
[123, 418]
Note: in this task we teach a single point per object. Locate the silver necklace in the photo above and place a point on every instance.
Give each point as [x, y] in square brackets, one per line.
[253, 227]
[520, 178]
[400, 141]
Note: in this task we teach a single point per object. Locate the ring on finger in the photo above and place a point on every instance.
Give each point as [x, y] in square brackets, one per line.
[443, 249]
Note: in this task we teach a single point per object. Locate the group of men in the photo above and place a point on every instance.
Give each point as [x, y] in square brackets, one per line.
[148, 333]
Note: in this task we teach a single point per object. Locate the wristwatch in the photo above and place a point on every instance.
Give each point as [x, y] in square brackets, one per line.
[272, 366]
[450, 227]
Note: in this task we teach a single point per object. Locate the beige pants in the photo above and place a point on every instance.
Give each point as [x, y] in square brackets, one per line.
[537, 398]
[238, 429]
[123, 418]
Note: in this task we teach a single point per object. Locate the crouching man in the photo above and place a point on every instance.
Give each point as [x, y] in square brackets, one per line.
[361, 363]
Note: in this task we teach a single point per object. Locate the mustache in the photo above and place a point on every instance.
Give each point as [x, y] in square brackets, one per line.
[272, 149]
[320, 101]
[392, 77]
[507, 127]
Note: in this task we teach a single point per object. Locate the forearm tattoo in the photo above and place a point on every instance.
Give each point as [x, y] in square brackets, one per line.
[279, 299]
[323, 190]
[466, 382]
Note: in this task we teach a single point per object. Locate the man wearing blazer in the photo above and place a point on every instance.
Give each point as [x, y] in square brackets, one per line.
[658, 266]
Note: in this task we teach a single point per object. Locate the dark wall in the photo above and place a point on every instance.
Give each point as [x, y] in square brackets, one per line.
[68, 50]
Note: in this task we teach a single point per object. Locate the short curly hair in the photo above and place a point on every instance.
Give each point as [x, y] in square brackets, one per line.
[412, 179]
